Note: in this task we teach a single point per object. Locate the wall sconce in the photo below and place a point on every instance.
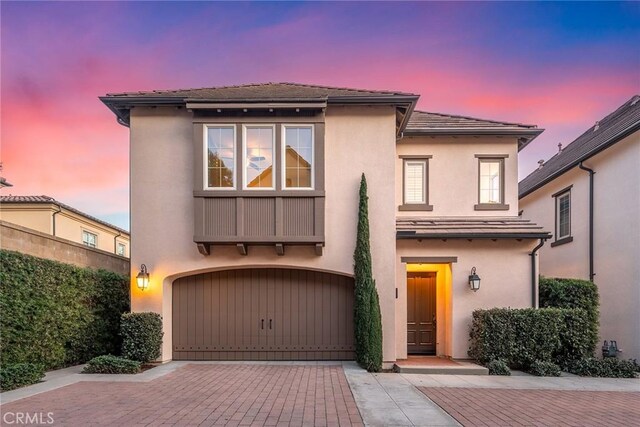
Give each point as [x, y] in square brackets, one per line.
[474, 280]
[143, 278]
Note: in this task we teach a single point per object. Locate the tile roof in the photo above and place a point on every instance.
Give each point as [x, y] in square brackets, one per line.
[47, 199]
[424, 121]
[468, 228]
[261, 91]
[606, 132]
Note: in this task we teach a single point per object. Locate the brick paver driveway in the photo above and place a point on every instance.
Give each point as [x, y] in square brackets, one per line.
[509, 407]
[205, 394]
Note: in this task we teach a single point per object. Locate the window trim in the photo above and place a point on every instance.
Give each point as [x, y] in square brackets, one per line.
[205, 157]
[244, 157]
[124, 249]
[416, 206]
[283, 154]
[561, 240]
[499, 158]
[84, 230]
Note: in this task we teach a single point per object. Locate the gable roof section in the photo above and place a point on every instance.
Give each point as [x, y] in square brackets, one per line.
[121, 103]
[606, 132]
[51, 200]
[427, 123]
[468, 228]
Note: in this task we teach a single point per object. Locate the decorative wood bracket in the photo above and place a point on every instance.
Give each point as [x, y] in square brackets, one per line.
[280, 249]
[319, 247]
[204, 249]
[242, 248]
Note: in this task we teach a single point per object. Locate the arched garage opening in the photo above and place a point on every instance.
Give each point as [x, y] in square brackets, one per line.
[263, 314]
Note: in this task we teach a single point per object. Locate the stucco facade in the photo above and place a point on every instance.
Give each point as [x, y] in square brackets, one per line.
[50, 217]
[616, 236]
[356, 132]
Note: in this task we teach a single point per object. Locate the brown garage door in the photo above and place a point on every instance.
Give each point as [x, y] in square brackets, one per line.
[263, 314]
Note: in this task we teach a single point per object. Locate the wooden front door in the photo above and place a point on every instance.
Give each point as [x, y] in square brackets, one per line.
[263, 314]
[421, 313]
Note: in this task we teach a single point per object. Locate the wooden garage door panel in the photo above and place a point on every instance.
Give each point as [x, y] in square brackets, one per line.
[263, 314]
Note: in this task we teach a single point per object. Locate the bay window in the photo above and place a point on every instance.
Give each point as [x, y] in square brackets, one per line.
[297, 154]
[220, 157]
[258, 142]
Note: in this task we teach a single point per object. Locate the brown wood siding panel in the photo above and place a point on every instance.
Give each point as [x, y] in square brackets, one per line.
[219, 216]
[298, 216]
[259, 217]
[307, 316]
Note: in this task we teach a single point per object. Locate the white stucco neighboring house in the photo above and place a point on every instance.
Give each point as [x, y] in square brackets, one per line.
[589, 195]
[244, 207]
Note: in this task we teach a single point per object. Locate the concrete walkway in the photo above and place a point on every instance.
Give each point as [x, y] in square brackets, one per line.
[390, 400]
[531, 382]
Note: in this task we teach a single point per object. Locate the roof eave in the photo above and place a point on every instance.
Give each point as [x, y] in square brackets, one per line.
[525, 136]
[620, 136]
[403, 235]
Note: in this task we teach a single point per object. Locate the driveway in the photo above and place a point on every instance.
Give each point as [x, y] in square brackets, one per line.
[206, 395]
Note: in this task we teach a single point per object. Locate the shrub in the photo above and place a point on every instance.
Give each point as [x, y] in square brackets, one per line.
[522, 336]
[543, 368]
[19, 375]
[111, 365]
[573, 293]
[607, 368]
[498, 367]
[141, 336]
[368, 324]
[56, 314]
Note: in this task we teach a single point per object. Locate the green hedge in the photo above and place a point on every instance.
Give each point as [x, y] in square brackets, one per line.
[498, 367]
[522, 336]
[573, 293]
[56, 314]
[542, 368]
[111, 365]
[20, 374]
[608, 368]
[141, 336]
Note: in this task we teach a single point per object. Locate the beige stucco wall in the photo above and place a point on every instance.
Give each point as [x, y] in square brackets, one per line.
[162, 207]
[504, 267]
[35, 217]
[453, 173]
[616, 237]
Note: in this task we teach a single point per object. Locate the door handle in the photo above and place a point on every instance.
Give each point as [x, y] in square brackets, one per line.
[434, 320]
[270, 323]
[262, 326]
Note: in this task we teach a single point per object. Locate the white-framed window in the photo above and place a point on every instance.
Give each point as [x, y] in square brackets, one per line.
[90, 239]
[121, 249]
[491, 181]
[415, 182]
[220, 157]
[258, 149]
[563, 215]
[297, 157]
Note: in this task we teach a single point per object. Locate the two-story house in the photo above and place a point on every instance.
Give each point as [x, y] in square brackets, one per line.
[589, 194]
[244, 205]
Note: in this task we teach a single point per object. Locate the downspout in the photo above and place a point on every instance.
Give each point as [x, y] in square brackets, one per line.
[115, 243]
[533, 255]
[54, 219]
[591, 173]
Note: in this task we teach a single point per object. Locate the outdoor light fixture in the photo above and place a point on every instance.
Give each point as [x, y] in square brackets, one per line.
[474, 280]
[143, 278]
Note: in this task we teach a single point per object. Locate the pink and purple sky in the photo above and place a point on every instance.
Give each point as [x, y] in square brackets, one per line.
[561, 66]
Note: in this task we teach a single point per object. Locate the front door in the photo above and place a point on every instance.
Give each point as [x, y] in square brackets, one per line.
[421, 313]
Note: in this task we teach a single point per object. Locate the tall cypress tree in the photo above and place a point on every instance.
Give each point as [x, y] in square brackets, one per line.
[368, 326]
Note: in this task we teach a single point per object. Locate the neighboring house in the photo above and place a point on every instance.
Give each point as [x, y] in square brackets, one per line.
[244, 206]
[49, 216]
[589, 194]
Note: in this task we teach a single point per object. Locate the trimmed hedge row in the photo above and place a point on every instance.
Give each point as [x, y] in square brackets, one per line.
[111, 365]
[521, 337]
[56, 314]
[607, 368]
[141, 336]
[20, 374]
[573, 293]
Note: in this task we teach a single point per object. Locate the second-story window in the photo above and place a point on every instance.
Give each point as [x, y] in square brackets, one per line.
[415, 185]
[258, 157]
[122, 249]
[89, 239]
[220, 157]
[563, 215]
[491, 181]
[297, 156]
